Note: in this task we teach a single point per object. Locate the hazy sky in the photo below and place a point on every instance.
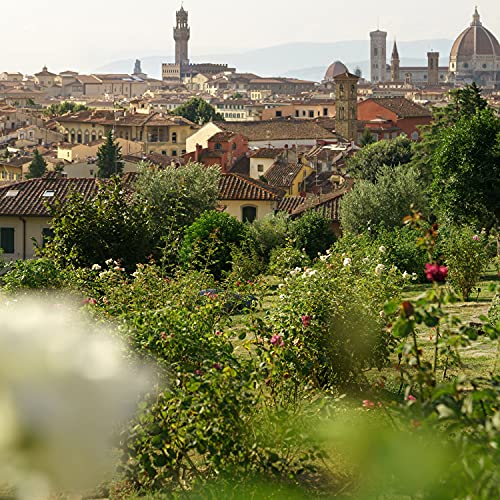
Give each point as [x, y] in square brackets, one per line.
[54, 32]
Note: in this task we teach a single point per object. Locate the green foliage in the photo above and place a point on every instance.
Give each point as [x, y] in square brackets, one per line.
[198, 111]
[384, 203]
[40, 274]
[326, 328]
[402, 250]
[464, 103]
[466, 171]
[271, 232]
[172, 199]
[91, 232]
[285, 259]
[209, 240]
[368, 163]
[494, 311]
[312, 233]
[109, 158]
[366, 138]
[466, 256]
[65, 107]
[37, 167]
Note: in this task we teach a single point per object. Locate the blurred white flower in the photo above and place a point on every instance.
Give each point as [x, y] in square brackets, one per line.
[382, 249]
[64, 388]
[406, 276]
[109, 262]
[379, 269]
[297, 270]
[282, 297]
[96, 267]
[347, 262]
[281, 285]
[414, 276]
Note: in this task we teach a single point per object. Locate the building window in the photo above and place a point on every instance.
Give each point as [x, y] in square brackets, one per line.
[466, 65]
[296, 113]
[248, 214]
[174, 137]
[164, 153]
[311, 114]
[375, 51]
[260, 168]
[233, 147]
[414, 136]
[325, 111]
[7, 239]
[218, 146]
[174, 152]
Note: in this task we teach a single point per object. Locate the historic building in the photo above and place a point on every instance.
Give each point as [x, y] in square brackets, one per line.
[475, 56]
[346, 103]
[182, 67]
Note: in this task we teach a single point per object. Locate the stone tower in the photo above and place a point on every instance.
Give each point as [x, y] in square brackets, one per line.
[395, 63]
[346, 104]
[433, 68]
[182, 33]
[378, 56]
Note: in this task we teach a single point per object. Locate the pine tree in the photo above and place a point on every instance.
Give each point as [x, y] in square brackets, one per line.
[37, 167]
[109, 158]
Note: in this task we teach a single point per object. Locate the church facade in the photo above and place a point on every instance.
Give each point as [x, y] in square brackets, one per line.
[182, 67]
[474, 57]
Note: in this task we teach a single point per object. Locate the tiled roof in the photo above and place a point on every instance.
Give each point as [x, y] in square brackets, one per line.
[290, 203]
[237, 187]
[222, 137]
[29, 199]
[402, 107]
[280, 129]
[269, 153]
[242, 166]
[328, 205]
[282, 174]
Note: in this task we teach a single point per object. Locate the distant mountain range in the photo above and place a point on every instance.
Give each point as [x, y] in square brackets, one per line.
[305, 60]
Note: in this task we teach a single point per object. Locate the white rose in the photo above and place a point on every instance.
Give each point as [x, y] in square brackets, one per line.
[379, 269]
[382, 249]
[96, 267]
[347, 262]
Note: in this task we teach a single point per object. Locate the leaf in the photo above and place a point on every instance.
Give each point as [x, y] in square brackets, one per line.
[391, 307]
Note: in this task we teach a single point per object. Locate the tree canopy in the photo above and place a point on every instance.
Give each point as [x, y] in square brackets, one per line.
[466, 170]
[198, 111]
[65, 107]
[37, 167]
[384, 202]
[372, 158]
[109, 158]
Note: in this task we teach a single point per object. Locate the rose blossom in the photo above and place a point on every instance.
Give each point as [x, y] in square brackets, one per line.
[436, 273]
[306, 321]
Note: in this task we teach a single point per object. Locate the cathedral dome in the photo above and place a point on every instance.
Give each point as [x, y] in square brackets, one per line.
[335, 69]
[475, 40]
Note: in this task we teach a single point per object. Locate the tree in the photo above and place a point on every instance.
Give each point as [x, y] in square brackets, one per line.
[464, 102]
[208, 242]
[109, 158]
[91, 232]
[384, 202]
[172, 198]
[466, 171]
[366, 138]
[358, 72]
[198, 111]
[65, 107]
[312, 233]
[37, 167]
[368, 162]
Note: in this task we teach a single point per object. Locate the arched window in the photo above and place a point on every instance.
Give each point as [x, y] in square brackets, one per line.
[414, 136]
[87, 137]
[248, 214]
[94, 137]
[79, 137]
[72, 136]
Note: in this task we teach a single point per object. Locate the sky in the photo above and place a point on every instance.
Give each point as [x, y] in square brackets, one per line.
[53, 32]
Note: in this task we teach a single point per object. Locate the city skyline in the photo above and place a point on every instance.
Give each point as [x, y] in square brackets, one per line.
[103, 33]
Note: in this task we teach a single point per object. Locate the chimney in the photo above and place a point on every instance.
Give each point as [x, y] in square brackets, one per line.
[197, 153]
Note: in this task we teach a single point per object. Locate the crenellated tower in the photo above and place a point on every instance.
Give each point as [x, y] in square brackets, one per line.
[182, 34]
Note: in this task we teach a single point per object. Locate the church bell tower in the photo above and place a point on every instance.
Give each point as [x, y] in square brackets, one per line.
[182, 33]
[346, 105]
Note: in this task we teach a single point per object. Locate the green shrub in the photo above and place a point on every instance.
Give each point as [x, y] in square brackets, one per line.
[466, 256]
[208, 242]
[40, 274]
[312, 233]
[284, 259]
[494, 311]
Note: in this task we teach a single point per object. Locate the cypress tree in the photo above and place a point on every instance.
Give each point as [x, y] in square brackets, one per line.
[109, 158]
[37, 167]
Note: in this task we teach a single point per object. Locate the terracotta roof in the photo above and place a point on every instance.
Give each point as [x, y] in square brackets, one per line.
[269, 153]
[29, 199]
[290, 203]
[222, 137]
[401, 106]
[328, 205]
[281, 129]
[237, 187]
[282, 174]
[242, 166]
